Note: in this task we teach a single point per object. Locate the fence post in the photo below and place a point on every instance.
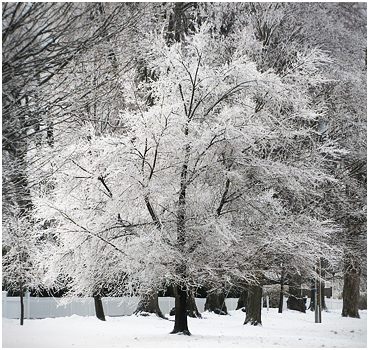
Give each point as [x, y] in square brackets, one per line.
[27, 302]
[4, 302]
[267, 300]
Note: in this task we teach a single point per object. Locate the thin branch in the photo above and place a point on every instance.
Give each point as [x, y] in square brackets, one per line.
[89, 232]
[231, 91]
[107, 188]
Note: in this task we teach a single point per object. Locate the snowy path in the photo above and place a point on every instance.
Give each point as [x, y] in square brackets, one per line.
[290, 329]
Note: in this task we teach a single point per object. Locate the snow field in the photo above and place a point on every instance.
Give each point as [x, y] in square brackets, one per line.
[290, 329]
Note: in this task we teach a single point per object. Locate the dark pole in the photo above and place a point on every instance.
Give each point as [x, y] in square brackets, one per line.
[320, 292]
[21, 302]
[280, 308]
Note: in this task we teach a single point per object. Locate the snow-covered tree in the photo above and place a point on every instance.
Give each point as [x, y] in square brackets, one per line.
[50, 55]
[40, 44]
[21, 247]
[340, 29]
[207, 164]
[189, 175]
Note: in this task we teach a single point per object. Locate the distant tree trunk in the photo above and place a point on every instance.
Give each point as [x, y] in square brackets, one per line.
[322, 293]
[149, 304]
[21, 302]
[242, 300]
[177, 25]
[351, 283]
[99, 307]
[281, 293]
[215, 302]
[253, 306]
[192, 310]
[312, 299]
[180, 321]
[295, 301]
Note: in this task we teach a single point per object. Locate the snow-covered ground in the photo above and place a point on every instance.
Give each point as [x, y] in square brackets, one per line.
[290, 329]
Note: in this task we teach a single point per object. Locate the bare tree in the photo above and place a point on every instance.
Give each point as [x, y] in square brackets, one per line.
[41, 42]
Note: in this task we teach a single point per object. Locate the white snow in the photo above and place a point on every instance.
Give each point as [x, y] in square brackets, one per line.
[290, 329]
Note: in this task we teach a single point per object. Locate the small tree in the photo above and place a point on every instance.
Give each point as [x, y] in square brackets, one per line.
[21, 248]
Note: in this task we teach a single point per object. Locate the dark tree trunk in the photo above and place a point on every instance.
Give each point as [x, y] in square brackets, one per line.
[322, 293]
[281, 293]
[180, 291]
[99, 307]
[149, 304]
[192, 310]
[253, 306]
[215, 302]
[21, 302]
[351, 283]
[312, 298]
[295, 301]
[180, 321]
[242, 300]
[178, 24]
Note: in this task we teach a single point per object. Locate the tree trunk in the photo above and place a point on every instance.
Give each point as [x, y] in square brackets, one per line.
[242, 300]
[281, 293]
[215, 302]
[21, 302]
[149, 304]
[176, 25]
[351, 283]
[253, 306]
[180, 291]
[312, 299]
[322, 293]
[180, 321]
[99, 307]
[295, 301]
[192, 310]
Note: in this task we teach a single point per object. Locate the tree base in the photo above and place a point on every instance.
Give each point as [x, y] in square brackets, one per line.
[253, 322]
[351, 315]
[253, 306]
[147, 313]
[215, 302]
[351, 290]
[185, 332]
[149, 305]
[99, 310]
